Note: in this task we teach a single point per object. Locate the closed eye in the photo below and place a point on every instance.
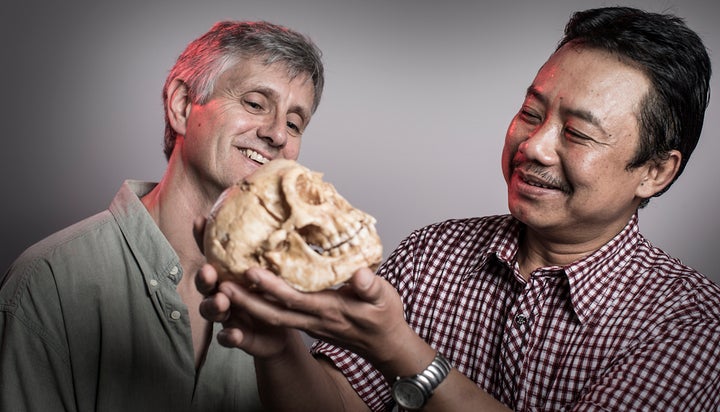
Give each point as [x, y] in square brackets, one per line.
[579, 137]
[574, 134]
[253, 105]
[529, 116]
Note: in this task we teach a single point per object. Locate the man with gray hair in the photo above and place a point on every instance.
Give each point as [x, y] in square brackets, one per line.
[103, 315]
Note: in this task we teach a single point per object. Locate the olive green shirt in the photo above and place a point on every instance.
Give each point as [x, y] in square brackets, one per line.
[90, 320]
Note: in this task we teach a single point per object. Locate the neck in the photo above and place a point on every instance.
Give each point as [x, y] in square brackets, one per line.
[537, 250]
[174, 204]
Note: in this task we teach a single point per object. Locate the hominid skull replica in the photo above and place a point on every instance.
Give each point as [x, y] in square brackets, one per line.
[285, 218]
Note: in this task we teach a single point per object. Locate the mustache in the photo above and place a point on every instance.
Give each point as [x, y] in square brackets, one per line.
[543, 175]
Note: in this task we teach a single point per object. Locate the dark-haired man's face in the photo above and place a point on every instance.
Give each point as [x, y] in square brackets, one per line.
[567, 149]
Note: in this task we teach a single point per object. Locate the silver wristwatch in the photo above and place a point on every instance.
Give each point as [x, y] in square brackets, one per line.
[412, 392]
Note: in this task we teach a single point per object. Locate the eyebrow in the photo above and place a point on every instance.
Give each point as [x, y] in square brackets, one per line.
[579, 113]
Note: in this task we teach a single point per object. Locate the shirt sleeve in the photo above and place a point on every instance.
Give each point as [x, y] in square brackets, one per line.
[367, 381]
[34, 366]
[675, 366]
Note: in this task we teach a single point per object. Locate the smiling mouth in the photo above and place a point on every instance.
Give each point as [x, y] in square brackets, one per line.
[537, 184]
[255, 156]
[536, 181]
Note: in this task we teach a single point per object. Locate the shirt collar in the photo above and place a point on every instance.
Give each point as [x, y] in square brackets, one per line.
[151, 249]
[591, 277]
[503, 244]
[588, 277]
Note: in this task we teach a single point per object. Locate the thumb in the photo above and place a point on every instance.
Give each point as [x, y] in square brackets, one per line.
[366, 285]
[199, 232]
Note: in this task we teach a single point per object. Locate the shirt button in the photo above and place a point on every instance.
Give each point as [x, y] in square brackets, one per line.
[521, 320]
[174, 270]
[175, 315]
[153, 282]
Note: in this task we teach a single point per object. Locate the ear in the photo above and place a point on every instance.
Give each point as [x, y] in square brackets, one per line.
[178, 105]
[659, 174]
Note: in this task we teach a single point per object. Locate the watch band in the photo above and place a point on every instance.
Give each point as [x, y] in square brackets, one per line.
[413, 392]
[435, 373]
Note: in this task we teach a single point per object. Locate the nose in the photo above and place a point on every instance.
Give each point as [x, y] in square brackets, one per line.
[541, 144]
[273, 130]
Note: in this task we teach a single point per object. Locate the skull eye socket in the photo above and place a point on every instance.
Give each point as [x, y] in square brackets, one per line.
[309, 190]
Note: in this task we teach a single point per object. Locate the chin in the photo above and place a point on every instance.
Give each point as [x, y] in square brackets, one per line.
[517, 211]
[240, 173]
[527, 214]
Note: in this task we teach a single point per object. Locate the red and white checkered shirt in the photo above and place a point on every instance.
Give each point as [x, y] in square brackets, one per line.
[627, 328]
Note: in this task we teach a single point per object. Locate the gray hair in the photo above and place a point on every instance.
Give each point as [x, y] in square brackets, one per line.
[226, 44]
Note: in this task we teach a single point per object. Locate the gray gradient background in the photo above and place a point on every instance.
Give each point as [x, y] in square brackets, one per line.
[410, 129]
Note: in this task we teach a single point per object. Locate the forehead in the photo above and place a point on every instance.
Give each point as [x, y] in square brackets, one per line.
[590, 80]
[250, 73]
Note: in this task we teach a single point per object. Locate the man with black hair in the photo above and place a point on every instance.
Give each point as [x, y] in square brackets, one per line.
[560, 305]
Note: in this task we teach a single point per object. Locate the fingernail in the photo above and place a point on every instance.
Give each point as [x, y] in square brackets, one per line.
[365, 281]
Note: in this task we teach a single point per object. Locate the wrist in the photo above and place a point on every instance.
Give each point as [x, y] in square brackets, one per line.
[403, 355]
[413, 392]
[284, 345]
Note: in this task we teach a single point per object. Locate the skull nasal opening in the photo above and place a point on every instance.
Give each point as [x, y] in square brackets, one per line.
[312, 235]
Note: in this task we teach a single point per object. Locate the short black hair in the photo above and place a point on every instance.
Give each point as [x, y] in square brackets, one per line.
[674, 59]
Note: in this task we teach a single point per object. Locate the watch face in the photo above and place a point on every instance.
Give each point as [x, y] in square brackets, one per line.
[408, 395]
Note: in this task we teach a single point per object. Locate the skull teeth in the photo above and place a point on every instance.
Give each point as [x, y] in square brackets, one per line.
[336, 240]
[340, 245]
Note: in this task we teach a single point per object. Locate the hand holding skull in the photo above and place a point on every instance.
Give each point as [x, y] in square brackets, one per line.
[365, 315]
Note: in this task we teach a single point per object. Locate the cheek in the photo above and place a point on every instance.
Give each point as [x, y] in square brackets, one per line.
[292, 149]
[598, 174]
[508, 153]
[506, 160]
